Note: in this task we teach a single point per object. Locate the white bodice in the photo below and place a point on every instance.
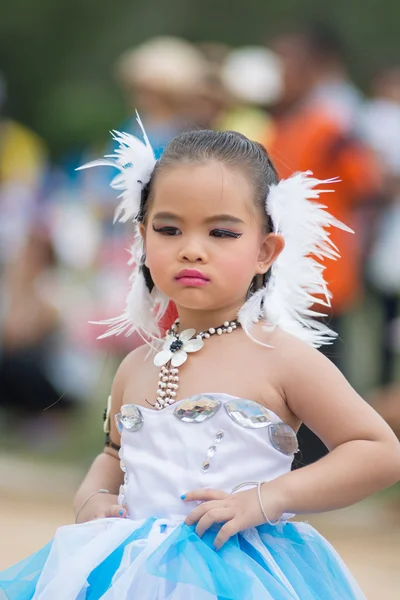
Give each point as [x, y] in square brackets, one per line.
[206, 441]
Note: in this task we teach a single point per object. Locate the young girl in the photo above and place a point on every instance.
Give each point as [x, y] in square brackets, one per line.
[206, 419]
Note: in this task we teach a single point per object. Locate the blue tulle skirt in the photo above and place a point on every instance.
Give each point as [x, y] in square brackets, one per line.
[158, 559]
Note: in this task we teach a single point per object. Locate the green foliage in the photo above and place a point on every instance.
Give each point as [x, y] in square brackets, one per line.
[58, 57]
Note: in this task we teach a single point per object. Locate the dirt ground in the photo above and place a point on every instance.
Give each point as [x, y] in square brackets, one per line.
[368, 539]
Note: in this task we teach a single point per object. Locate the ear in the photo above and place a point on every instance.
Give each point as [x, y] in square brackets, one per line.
[142, 231]
[271, 247]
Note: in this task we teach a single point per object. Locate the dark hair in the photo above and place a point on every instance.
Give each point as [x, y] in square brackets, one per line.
[227, 147]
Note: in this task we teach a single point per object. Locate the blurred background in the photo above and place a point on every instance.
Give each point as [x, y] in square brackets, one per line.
[318, 84]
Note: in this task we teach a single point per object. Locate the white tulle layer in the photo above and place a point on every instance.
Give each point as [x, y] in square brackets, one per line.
[159, 559]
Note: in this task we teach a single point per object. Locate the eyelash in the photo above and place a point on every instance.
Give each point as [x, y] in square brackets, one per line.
[218, 233]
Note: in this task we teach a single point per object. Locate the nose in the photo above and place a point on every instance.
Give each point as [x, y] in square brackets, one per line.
[192, 252]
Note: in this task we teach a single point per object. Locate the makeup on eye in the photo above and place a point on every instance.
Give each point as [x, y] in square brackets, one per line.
[217, 232]
[166, 230]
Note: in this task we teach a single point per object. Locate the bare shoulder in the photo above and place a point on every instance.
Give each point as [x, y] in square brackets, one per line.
[320, 396]
[131, 365]
[286, 347]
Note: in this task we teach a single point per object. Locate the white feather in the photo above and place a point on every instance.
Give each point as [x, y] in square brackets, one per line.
[135, 160]
[297, 280]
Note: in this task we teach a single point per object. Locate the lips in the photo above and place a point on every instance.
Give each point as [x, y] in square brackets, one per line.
[191, 274]
[191, 278]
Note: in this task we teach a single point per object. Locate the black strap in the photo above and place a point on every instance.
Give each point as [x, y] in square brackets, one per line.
[111, 444]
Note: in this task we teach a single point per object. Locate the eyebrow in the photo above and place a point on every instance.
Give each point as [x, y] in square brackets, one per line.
[213, 219]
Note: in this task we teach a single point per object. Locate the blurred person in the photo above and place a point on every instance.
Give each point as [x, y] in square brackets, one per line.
[380, 123]
[192, 496]
[160, 79]
[210, 100]
[251, 76]
[332, 87]
[31, 336]
[23, 158]
[305, 135]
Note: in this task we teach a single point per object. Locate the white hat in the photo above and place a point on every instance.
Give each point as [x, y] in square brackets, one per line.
[166, 64]
[253, 75]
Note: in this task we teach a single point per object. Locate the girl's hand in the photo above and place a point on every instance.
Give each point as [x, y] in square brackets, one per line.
[238, 511]
[102, 506]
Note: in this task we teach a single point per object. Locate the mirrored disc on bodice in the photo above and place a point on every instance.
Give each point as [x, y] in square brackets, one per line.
[283, 438]
[197, 409]
[248, 413]
[129, 418]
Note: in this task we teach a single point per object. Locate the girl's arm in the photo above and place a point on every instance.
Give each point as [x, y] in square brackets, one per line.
[105, 472]
[364, 458]
[364, 452]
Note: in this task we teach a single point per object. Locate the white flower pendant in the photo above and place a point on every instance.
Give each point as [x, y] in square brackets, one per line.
[176, 348]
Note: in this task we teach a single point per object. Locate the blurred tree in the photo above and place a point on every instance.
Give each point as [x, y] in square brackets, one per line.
[57, 57]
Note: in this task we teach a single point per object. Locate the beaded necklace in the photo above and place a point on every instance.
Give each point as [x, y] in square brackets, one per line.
[174, 353]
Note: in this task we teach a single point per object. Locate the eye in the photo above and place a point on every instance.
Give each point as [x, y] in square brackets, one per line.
[166, 230]
[224, 233]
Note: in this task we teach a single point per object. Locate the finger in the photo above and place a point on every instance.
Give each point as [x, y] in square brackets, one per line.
[116, 511]
[227, 531]
[204, 495]
[201, 510]
[218, 515]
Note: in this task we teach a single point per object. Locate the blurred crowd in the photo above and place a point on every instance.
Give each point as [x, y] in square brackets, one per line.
[63, 263]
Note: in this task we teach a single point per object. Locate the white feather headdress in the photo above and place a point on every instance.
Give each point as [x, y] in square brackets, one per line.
[135, 160]
[296, 282]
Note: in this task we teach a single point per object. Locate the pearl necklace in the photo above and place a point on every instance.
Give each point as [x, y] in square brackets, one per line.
[174, 353]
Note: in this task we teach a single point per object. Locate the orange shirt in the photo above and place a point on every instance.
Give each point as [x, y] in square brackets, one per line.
[311, 140]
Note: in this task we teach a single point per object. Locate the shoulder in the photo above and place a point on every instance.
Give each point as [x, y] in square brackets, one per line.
[293, 358]
[132, 363]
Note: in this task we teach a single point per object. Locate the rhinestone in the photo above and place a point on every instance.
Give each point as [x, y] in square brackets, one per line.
[129, 418]
[219, 331]
[205, 466]
[211, 451]
[197, 409]
[219, 436]
[283, 438]
[248, 413]
[212, 330]
[226, 324]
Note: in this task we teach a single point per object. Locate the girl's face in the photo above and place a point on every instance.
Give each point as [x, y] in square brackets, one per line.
[204, 237]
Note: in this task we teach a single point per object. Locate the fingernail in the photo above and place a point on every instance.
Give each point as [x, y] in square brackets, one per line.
[183, 497]
[121, 512]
